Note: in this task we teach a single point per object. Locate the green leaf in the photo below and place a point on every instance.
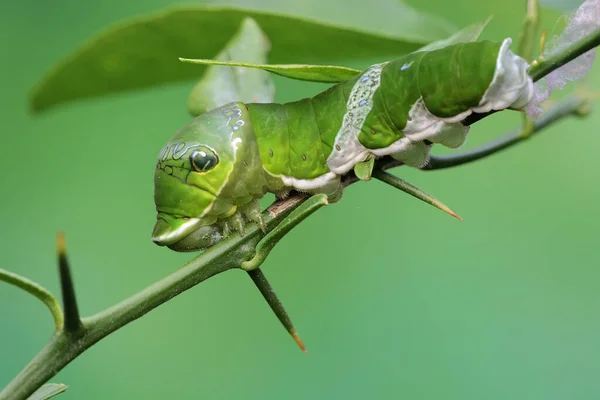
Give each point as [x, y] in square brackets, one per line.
[388, 18]
[335, 74]
[565, 6]
[221, 85]
[303, 72]
[145, 51]
[466, 35]
[47, 391]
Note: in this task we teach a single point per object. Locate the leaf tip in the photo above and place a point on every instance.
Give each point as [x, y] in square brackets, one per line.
[48, 391]
[35, 106]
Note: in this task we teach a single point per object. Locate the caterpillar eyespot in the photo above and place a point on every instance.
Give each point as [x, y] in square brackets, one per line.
[204, 160]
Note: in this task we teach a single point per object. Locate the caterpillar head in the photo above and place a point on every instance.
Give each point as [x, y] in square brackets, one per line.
[203, 173]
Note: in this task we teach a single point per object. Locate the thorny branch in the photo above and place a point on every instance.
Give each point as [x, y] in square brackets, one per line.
[76, 334]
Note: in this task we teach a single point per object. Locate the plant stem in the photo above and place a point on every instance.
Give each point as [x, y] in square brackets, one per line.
[543, 66]
[65, 346]
[272, 238]
[38, 291]
[530, 27]
[565, 108]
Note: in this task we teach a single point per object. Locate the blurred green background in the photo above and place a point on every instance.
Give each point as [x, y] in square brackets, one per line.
[393, 298]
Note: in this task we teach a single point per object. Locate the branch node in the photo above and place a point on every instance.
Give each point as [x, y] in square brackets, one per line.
[284, 227]
[528, 127]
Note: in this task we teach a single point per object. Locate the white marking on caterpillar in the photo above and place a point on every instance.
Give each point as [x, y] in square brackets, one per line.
[511, 87]
[306, 184]
[347, 149]
[406, 66]
[233, 111]
[238, 124]
[167, 236]
[581, 23]
[235, 142]
[177, 151]
[162, 156]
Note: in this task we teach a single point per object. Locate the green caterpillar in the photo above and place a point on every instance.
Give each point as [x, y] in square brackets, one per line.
[211, 174]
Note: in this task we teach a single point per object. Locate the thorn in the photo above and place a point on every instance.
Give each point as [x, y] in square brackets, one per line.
[72, 321]
[542, 41]
[414, 191]
[298, 341]
[265, 288]
[61, 245]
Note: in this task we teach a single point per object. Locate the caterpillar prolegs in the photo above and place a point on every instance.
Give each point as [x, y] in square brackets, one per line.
[212, 172]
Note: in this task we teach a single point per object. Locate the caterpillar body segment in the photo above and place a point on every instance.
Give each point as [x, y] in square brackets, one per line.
[211, 174]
